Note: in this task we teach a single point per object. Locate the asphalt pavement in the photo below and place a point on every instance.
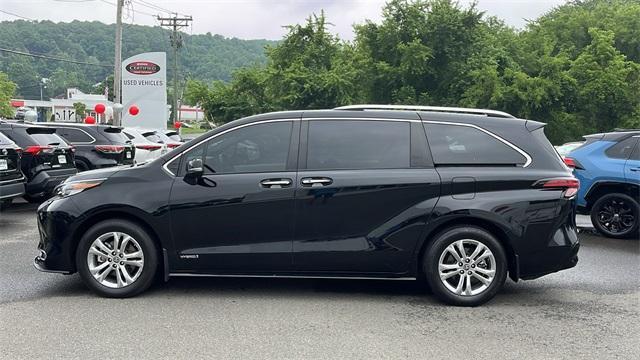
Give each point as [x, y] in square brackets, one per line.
[590, 311]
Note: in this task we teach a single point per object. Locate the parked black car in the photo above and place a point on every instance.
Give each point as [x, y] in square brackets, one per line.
[458, 197]
[47, 160]
[11, 178]
[97, 146]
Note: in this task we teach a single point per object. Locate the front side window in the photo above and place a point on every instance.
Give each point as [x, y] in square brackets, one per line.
[465, 145]
[344, 144]
[252, 149]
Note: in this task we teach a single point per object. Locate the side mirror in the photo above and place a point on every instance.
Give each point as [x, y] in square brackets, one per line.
[194, 167]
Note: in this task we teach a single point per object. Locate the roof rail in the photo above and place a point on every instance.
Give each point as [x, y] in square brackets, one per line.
[485, 112]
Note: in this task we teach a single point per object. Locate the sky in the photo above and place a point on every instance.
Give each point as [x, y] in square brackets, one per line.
[249, 19]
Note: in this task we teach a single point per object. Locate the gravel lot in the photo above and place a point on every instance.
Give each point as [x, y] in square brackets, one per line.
[590, 311]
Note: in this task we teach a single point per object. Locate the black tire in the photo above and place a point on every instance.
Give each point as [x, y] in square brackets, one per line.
[81, 166]
[619, 203]
[437, 248]
[34, 199]
[4, 204]
[148, 247]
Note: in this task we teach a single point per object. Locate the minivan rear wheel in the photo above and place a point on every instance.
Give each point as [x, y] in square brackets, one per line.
[465, 266]
[117, 258]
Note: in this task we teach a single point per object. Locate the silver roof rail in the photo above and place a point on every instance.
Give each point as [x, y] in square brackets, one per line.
[485, 112]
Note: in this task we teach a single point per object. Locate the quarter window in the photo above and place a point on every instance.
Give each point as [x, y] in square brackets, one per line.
[343, 144]
[74, 136]
[457, 145]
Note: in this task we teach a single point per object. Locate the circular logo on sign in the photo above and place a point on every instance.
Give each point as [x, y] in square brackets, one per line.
[142, 68]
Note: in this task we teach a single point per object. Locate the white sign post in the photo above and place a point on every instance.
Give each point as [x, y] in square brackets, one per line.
[144, 84]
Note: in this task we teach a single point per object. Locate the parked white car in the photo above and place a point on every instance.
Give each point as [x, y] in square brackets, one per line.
[166, 139]
[146, 148]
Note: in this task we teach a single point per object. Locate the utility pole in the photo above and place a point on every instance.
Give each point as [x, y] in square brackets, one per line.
[175, 23]
[117, 71]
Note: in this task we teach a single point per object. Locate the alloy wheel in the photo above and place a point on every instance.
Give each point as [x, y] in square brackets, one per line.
[616, 216]
[115, 260]
[467, 267]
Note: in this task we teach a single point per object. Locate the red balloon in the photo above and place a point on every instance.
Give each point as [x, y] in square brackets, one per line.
[89, 120]
[100, 108]
[133, 110]
[177, 124]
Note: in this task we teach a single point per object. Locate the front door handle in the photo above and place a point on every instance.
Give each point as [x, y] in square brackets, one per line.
[316, 181]
[635, 169]
[276, 183]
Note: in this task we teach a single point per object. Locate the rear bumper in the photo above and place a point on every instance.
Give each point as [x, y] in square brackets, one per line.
[11, 188]
[563, 258]
[45, 181]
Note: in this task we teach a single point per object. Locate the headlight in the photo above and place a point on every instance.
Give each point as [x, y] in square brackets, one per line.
[75, 187]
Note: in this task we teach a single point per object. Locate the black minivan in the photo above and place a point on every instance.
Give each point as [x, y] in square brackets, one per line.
[97, 146]
[47, 160]
[459, 198]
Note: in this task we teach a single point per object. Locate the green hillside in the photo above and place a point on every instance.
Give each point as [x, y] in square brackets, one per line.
[204, 57]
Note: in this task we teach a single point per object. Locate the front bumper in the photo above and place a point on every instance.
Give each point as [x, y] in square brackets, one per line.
[57, 221]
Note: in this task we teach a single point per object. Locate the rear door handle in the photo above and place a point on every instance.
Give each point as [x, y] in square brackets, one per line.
[316, 181]
[276, 183]
[635, 169]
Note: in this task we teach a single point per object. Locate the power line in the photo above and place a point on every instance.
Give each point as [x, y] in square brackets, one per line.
[16, 15]
[152, 6]
[48, 57]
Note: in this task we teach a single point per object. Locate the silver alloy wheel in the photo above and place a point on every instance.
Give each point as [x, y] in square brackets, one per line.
[467, 267]
[115, 259]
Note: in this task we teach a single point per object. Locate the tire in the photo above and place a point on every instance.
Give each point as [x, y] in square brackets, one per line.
[81, 166]
[621, 226]
[4, 204]
[141, 276]
[480, 291]
[34, 199]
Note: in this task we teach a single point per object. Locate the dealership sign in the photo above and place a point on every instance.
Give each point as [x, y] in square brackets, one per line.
[144, 85]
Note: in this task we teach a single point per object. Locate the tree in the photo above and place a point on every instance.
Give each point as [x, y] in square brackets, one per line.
[80, 110]
[7, 89]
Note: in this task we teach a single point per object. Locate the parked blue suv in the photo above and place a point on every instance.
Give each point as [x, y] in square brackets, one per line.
[608, 167]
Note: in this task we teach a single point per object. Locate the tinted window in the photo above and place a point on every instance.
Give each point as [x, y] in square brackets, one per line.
[174, 136]
[115, 134]
[453, 144]
[358, 145]
[74, 135]
[45, 138]
[255, 148]
[622, 149]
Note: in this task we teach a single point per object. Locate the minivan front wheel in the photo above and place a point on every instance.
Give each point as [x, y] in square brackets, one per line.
[465, 266]
[117, 258]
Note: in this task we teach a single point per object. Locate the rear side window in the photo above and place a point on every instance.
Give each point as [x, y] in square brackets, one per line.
[347, 144]
[465, 145]
[622, 150]
[74, 136]
[114, 134]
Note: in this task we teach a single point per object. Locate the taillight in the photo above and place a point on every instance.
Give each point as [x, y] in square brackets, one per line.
[37, 149]
[149, 147]
[570, 185]
[110, 149]
[73, 149]
[572, 163]
[173, 146]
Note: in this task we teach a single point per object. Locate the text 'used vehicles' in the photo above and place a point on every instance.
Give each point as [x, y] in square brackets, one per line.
[461, 198]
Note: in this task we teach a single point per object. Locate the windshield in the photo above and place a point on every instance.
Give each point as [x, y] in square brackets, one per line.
[5, 140]
[153, 137]
[48, 139]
